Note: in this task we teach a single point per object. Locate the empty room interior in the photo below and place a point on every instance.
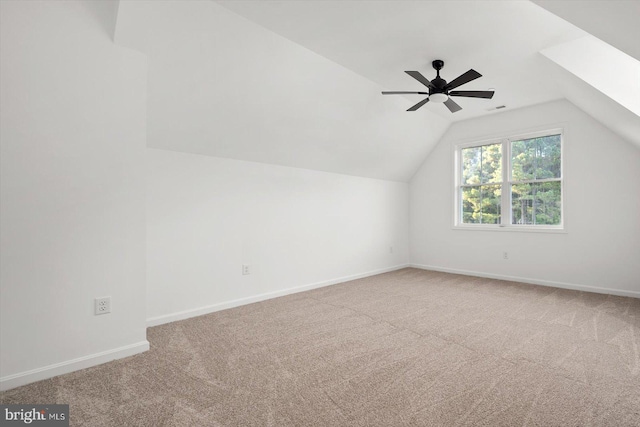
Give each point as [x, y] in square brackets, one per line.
[320, 213]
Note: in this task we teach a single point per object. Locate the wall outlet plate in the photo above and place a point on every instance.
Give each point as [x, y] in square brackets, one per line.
[246, 269]
[102, 305]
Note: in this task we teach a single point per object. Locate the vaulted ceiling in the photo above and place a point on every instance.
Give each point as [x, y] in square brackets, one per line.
[380, 39]
[298, 83]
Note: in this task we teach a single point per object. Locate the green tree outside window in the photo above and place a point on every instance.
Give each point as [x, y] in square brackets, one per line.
[533, 178]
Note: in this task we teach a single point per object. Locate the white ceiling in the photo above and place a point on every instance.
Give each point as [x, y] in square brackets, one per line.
[297, 83]
[381, 39]
[615, 22]
[223, 86]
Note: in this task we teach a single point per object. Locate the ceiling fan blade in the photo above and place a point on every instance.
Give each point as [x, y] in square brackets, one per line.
[419, 104]
[403, 93]
[488, 94]
[419, 77]
[452, 106]
[465, 78]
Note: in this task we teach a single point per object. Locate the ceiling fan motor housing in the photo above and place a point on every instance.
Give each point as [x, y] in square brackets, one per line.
[438, 83]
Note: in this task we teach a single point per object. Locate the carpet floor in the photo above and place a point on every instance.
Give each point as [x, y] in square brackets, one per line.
[406, 348]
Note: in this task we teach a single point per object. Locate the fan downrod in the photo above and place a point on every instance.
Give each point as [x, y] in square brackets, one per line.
[438, 82]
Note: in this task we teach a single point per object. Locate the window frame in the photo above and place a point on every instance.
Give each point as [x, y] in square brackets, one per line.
[507, 182]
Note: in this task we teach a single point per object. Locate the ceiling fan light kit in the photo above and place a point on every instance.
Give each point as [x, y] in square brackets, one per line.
[440, 91]
[438, 97]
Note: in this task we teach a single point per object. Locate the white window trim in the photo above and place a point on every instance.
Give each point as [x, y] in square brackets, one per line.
[505, 218]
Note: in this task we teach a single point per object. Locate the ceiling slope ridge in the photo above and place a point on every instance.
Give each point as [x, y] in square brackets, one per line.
[603, 67]
[598, 73]
[600, 80]
[597, 105]
[223, 86]
[280, 166]
[433, 147]
[613, 21]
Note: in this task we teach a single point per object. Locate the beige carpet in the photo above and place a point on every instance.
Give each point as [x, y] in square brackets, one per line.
[407, 348]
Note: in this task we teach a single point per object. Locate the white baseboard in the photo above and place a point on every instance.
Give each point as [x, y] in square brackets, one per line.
[22, 378]
[620, 292]
[181, 315]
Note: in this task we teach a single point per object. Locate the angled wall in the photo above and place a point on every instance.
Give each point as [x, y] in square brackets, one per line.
[224, 86]
[598, 252]
[226, 93]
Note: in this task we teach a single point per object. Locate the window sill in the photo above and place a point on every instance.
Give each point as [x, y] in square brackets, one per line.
[512, 228]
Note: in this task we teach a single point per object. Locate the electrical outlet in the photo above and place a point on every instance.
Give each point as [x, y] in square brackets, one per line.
[102, 305]
[505, 255]
[246, 269]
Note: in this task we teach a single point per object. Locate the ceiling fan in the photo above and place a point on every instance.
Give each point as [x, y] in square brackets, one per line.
[440, 90]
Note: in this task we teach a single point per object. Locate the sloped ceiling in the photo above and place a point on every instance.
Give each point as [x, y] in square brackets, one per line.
[380, 39]
[297, 83]
[221, 85]
[612, 21]
[608, 83]
[600, 73]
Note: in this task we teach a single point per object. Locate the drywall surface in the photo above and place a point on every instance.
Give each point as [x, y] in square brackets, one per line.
[73, 109]
[602, 199]
[224, 86]
[208, 216]
[613, 21]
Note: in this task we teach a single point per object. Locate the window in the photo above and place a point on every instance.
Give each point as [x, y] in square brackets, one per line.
[512, 182]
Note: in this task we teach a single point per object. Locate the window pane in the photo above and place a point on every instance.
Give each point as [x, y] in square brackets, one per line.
[536, 203]
[481, 165]
[471, 205]
[481, 204]
[491, 200]
[536, 158]
[471, 164]
[491, 163]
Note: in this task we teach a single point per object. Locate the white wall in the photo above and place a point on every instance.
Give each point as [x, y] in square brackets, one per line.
[73, 118]
[207, 216]
[224, 86]
[73, 109]
[602, 188]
